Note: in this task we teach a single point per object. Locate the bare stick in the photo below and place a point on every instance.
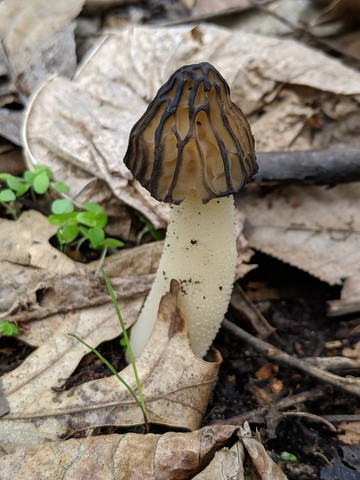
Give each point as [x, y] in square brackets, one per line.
[257, 415]
[311, 167]
[314, 418]
[348, 384]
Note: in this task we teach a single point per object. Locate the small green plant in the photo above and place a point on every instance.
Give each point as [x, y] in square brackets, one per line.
[9, 329]
[77, 227]
[74, 227]
[138, 397]
[288, 457]
[148, 228]
[13, 189]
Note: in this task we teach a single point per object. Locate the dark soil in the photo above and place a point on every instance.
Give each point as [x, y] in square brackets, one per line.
[295, 304]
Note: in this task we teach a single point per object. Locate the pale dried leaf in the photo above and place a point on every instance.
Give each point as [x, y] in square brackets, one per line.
[179, 456]
[263, 466]
[28, 260]
[176, 384]
[38, 38]
[313, 228]
[287, 117]
[120, 457]
[351, 433]
[10, 123]
[80, 128]
[3, 66]
[211, 8]
[37, 281]
[353, 353]
[227, 463]
[350, 297]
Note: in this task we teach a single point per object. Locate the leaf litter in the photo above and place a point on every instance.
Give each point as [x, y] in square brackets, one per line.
[87, 107]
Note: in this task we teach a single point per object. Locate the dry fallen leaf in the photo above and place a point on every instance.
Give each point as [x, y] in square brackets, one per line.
[350, 297]
[351, 433]
[38, 280]
[10, 121]
[313, 228]
[176, 384]
[202, 9]
[38, 38]
[80, 128]
[179, 456]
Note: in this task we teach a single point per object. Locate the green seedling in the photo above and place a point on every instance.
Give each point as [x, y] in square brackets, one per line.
[36, 182]
[138, 397]
[73, 227]
[8, 329]
[78, 227]
[148, 228]
[288, 457]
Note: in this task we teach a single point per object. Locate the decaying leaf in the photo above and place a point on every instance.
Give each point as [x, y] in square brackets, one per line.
[350, 297]
[211, 8]
[176, 384]
[262, 464]
[39, 281]
[38, 39]
[179, 456]
[80, 128]
[10, 122]
[313, 228]
[351, 433]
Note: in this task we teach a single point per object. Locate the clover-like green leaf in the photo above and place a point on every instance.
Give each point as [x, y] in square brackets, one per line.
[62, 219]
[61, 187]
[96, 236]
[67, 233]
[62, 205]
[113, 243]
[29, 176]
[94, 216]
[43, 169]
[87, 218]
[18, 186]
[41, 182]
[7, 195]
[93, 207]
[8, 329]
[5, 176]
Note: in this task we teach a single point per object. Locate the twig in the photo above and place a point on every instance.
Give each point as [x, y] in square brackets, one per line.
[244, 307]
[257, 415]
[334, 363]
[311, 416]
[343, 418]
[338, 308]
[320, 167]
[348, 384]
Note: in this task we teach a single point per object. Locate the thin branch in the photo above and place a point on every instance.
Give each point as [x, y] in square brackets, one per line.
[314, 418]
[343, 418]
[257, 415]
[348, 384]
[320, 167]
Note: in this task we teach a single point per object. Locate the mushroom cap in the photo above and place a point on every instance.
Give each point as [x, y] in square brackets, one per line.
[192, 136]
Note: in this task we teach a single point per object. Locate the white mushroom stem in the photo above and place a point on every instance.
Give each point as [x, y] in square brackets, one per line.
[199, 252]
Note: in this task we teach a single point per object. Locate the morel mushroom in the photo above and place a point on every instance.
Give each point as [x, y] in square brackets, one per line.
[193, 147]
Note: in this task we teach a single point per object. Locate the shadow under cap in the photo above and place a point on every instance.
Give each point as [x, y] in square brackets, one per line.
[192, 137]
